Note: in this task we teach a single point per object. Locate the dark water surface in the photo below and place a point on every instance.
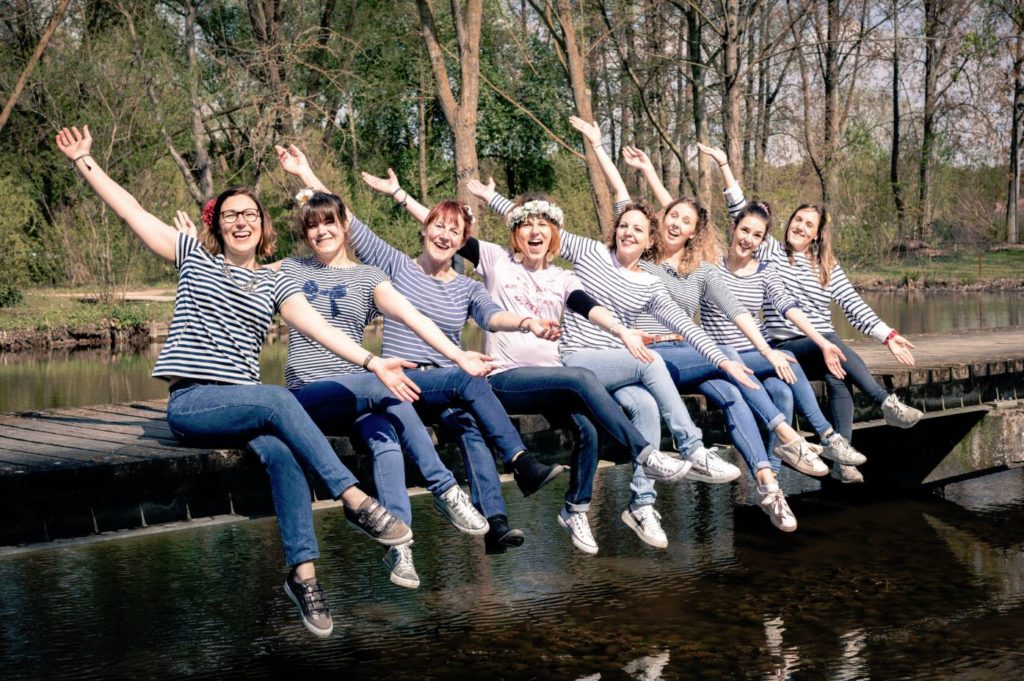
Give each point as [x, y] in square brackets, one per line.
[910, 588]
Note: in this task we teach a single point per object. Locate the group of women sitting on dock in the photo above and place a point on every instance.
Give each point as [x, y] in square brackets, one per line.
[609, 345]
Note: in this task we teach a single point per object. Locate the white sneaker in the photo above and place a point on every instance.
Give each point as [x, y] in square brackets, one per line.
[398, 561]
[898, 414]
[774, 504]
[841, 451]
[707, 466]
[846, 474]
[801, 455]
[578, 527]
[664, 468]
[458, 508]
[646, 522]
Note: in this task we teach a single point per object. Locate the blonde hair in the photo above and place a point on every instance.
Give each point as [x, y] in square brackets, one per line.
[704, 246]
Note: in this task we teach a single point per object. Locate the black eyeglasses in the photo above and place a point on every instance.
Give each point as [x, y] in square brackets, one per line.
[230, 217]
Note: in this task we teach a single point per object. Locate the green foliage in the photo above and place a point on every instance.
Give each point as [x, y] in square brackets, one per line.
[10, 296]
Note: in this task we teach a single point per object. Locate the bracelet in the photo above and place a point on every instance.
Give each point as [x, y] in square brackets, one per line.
[892, 334]
[523, 329]
[404, 202]
[79, 158]
[397, 189]
[369, 358]
[722, 165]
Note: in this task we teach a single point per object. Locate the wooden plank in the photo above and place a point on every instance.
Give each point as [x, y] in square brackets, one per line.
[154, 429]
[68, 441]
[89, 433]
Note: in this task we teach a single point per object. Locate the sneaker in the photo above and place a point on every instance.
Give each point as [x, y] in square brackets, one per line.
[578, 527]
[841, 451]
[846, 474]
[646, 522]
[800, 454]
[311, 600]
[773, 503]
[500, 536]
[457, 507]
[531, 474]
[378, 523]
[664, 468]
[398, 561]
[707, 466]
[898, 414]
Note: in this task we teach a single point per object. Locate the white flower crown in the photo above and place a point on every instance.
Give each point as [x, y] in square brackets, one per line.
[543, 208]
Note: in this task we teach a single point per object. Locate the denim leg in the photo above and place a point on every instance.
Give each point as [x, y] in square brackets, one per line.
[739, 421]
[484, 481]
[802, 393]
[583, 464]
[449, 386]
[292, 500]
[782, 396]
[643, 411]
[857, 372]
[388, 464]
[228, 415]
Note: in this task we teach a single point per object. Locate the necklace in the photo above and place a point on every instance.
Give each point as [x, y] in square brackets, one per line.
[248, 287]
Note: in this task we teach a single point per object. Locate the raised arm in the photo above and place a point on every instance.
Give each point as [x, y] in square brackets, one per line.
[734, 199]
[158, 236]
[636, 158]
[295, 163]
[389, 185]
[592, 133]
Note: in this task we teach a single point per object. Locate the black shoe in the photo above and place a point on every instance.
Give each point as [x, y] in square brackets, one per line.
[311, 600]
[500, 536]
[531, 474]
[375, 520]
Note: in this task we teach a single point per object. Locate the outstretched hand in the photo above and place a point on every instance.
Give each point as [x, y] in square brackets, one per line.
[476, 363]
[74, 143]
[480, 190]
[385, 185]
[390, 371]
[834, 359]
[780, 361]
[717, 154]
[636, 158]
[739, 372]
[901, 348]
[292, 160]
[589, 130]
[183, 223]
[545, 329]
[636, 342]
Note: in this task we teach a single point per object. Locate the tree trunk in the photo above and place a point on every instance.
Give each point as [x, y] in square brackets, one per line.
[894, 153]
[732, 123]
[698, 90]
[421, 122]
[1013, 203]
[931, 72]
[201, 168]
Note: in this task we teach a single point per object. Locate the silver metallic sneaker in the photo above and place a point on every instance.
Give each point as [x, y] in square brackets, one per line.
[378, 523]
[708, 467]
[661, 467]
[578, 527]
[841, 451]
[398, 561]
[646, 522]
[801, 455]
[898, 414]
[774, 504]
[457, 507]
[846, 474]
[310, 599]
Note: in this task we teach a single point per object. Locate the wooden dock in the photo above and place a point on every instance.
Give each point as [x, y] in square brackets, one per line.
[73, 472]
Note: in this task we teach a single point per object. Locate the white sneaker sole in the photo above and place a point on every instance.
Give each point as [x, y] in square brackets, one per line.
[402, 581]
[322, 633]
[589, 549]
[858, 460]
[714, 478]
[627, 518]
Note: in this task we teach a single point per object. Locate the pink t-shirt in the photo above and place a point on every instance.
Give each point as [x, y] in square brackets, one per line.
[541, 294]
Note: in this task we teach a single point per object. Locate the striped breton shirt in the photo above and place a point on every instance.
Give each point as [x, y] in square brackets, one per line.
[691, 291]
[344, 297]
[761, 289]
[626, 293]
[801, 279]
[448, 304]
[218, 327]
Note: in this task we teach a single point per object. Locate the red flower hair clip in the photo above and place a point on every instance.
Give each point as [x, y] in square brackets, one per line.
[208, 213]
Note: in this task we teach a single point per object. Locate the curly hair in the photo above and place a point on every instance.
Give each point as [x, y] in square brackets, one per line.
[652, 219]
[704, 246]
[820, 251]
[212, 239]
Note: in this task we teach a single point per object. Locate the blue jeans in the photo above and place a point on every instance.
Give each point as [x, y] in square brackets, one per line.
[690, 371]
[557, 392]
[803, 393]
[233, 415]
[388, 464]
[840, 391]
[618, 369]
[782, 397]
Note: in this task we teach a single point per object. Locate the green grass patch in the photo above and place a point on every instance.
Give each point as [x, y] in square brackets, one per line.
[962, 267]
[48, 309]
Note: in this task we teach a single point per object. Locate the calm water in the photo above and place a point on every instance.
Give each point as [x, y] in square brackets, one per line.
[920, 588]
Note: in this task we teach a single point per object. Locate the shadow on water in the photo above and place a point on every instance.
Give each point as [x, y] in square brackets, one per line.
[892, 588]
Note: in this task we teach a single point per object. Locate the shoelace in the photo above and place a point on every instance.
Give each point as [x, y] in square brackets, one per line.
[778, 503]
[462, 507]
[404, 553]
[579, 525]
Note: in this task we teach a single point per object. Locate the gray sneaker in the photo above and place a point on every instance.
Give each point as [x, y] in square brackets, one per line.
[378, 523]
[398, 561]
[708, 467]
[898, 414]
[646, 522]
[775, 505]
[457, 507]
[841, 451]
[846, 474]
[310, 599]
[578, 527]
[800, 454]
[661, 467]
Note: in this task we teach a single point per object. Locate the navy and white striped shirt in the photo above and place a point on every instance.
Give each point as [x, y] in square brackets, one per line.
[626, 293]
[448, 304]
[705, 283]
[755, 291]
[218, 328]
[344, 297]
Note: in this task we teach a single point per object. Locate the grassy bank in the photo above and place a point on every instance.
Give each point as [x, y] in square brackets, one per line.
[56, 308]
[996, 269]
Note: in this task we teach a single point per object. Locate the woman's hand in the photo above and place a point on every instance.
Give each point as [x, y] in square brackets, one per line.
[589, 130]
[545, 329]
[901, 348]
[834, 359]
[739, 372]
[482, 191]
[636, 342]
[780, 361]
[390, 372]
[718, 155]
[384, 185]
[637, 158]
[183, 223]
[74, 143]
[292, 160]
[475, 363]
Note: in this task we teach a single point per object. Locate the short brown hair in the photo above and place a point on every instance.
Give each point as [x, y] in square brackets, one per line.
[652, 218]
[450, 210]
[213, 240]
[320, 208]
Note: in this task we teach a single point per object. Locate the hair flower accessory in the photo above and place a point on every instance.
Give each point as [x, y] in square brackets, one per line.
[207, 215]
[544, 209]
[304, 196]
[469, 214]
